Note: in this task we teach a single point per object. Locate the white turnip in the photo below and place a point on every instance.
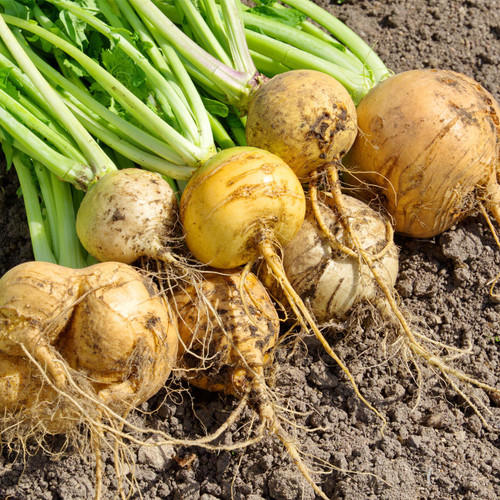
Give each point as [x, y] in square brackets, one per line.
[330, 282]
[126, 215]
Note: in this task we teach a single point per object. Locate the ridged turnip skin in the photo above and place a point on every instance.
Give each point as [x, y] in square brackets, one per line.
[126, 215]
[20, 385]
[330, 282]
[223, 345]
[105, 327]
[36, 302]
[305, 117]
[236, 197]
[121, 334]
[428, 148]
[28, 405]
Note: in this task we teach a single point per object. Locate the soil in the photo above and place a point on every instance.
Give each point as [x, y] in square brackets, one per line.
[433, 446]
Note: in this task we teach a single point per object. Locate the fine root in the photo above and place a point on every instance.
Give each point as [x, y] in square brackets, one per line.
[412, 339]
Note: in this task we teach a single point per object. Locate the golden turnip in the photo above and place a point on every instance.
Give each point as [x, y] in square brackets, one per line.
[428, 149]
[80, 347]
[305, 117]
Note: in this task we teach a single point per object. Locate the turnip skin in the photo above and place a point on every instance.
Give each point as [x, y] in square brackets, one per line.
[305, 117]
[330, 282]
[428, 148]
[35, 297]
[224, 349]
[121, 334]
[126, 215]
[239, 195]
[19, 386]
[105, 326]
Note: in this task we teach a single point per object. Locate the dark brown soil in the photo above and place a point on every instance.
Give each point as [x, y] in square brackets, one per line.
[438, 449]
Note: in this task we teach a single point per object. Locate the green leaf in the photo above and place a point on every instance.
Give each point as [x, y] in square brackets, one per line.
[74, 28]
[123, 68]
[75, 68]
[290, 17]
[215, 108]
[16, 8]
[96, 45]
[6, 85]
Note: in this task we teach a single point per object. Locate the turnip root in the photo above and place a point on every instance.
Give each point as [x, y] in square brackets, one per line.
[36, 302]
[305, 117]
[126, 215]
[121, 335]
[229, 329]
[225, 349]
[428, 149]
[330, 282]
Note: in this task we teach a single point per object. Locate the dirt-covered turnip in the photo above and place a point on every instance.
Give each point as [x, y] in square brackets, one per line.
[227, 347]
[229, 329]
[305, 117]
[80, 349]
[126, 215]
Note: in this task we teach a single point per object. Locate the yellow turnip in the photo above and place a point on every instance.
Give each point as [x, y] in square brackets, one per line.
[305, 117]
[80, 347]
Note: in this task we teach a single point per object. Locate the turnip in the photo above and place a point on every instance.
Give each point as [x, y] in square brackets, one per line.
[314, 126]
[229, 329]
[128, 214]
[107, 321]
[428, 150]
[330, 282]
[80, 347]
